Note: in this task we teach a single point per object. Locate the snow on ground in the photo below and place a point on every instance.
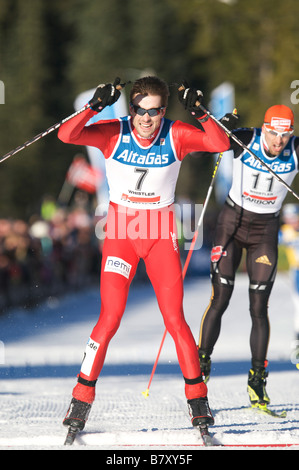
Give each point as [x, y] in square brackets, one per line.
[42, 351]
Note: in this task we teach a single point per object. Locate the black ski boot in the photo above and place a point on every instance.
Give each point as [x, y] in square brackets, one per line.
[200, 412]
[77, 414]
[75, 419]
[205, 365]
[257, 386]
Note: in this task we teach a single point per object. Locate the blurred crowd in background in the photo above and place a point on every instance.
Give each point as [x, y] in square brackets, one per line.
[54, 253]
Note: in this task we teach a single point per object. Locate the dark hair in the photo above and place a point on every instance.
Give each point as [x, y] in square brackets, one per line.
[150, 86]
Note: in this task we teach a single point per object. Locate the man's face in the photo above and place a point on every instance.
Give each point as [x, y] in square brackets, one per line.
[146, 125]
[275, 141]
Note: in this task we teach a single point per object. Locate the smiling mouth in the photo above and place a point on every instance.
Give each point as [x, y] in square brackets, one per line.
[147, 130]
[146, 127]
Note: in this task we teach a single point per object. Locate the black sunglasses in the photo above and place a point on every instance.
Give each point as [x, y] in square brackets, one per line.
[151, 112]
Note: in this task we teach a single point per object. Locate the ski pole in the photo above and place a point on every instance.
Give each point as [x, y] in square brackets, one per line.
[42, 134]
[244, 147]
[191, 249]
[49, 130]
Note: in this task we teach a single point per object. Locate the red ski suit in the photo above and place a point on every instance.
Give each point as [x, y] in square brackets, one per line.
[160, 253]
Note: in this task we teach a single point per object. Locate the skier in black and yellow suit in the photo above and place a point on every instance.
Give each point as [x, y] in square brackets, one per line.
[250, 220]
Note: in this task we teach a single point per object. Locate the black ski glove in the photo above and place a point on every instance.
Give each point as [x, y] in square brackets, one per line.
[105, 95]
[230, 120]
[191, 99]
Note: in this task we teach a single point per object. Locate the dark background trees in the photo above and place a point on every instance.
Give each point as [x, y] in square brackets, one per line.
[51, 51]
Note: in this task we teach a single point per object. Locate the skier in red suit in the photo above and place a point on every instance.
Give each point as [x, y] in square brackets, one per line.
[143, 153]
